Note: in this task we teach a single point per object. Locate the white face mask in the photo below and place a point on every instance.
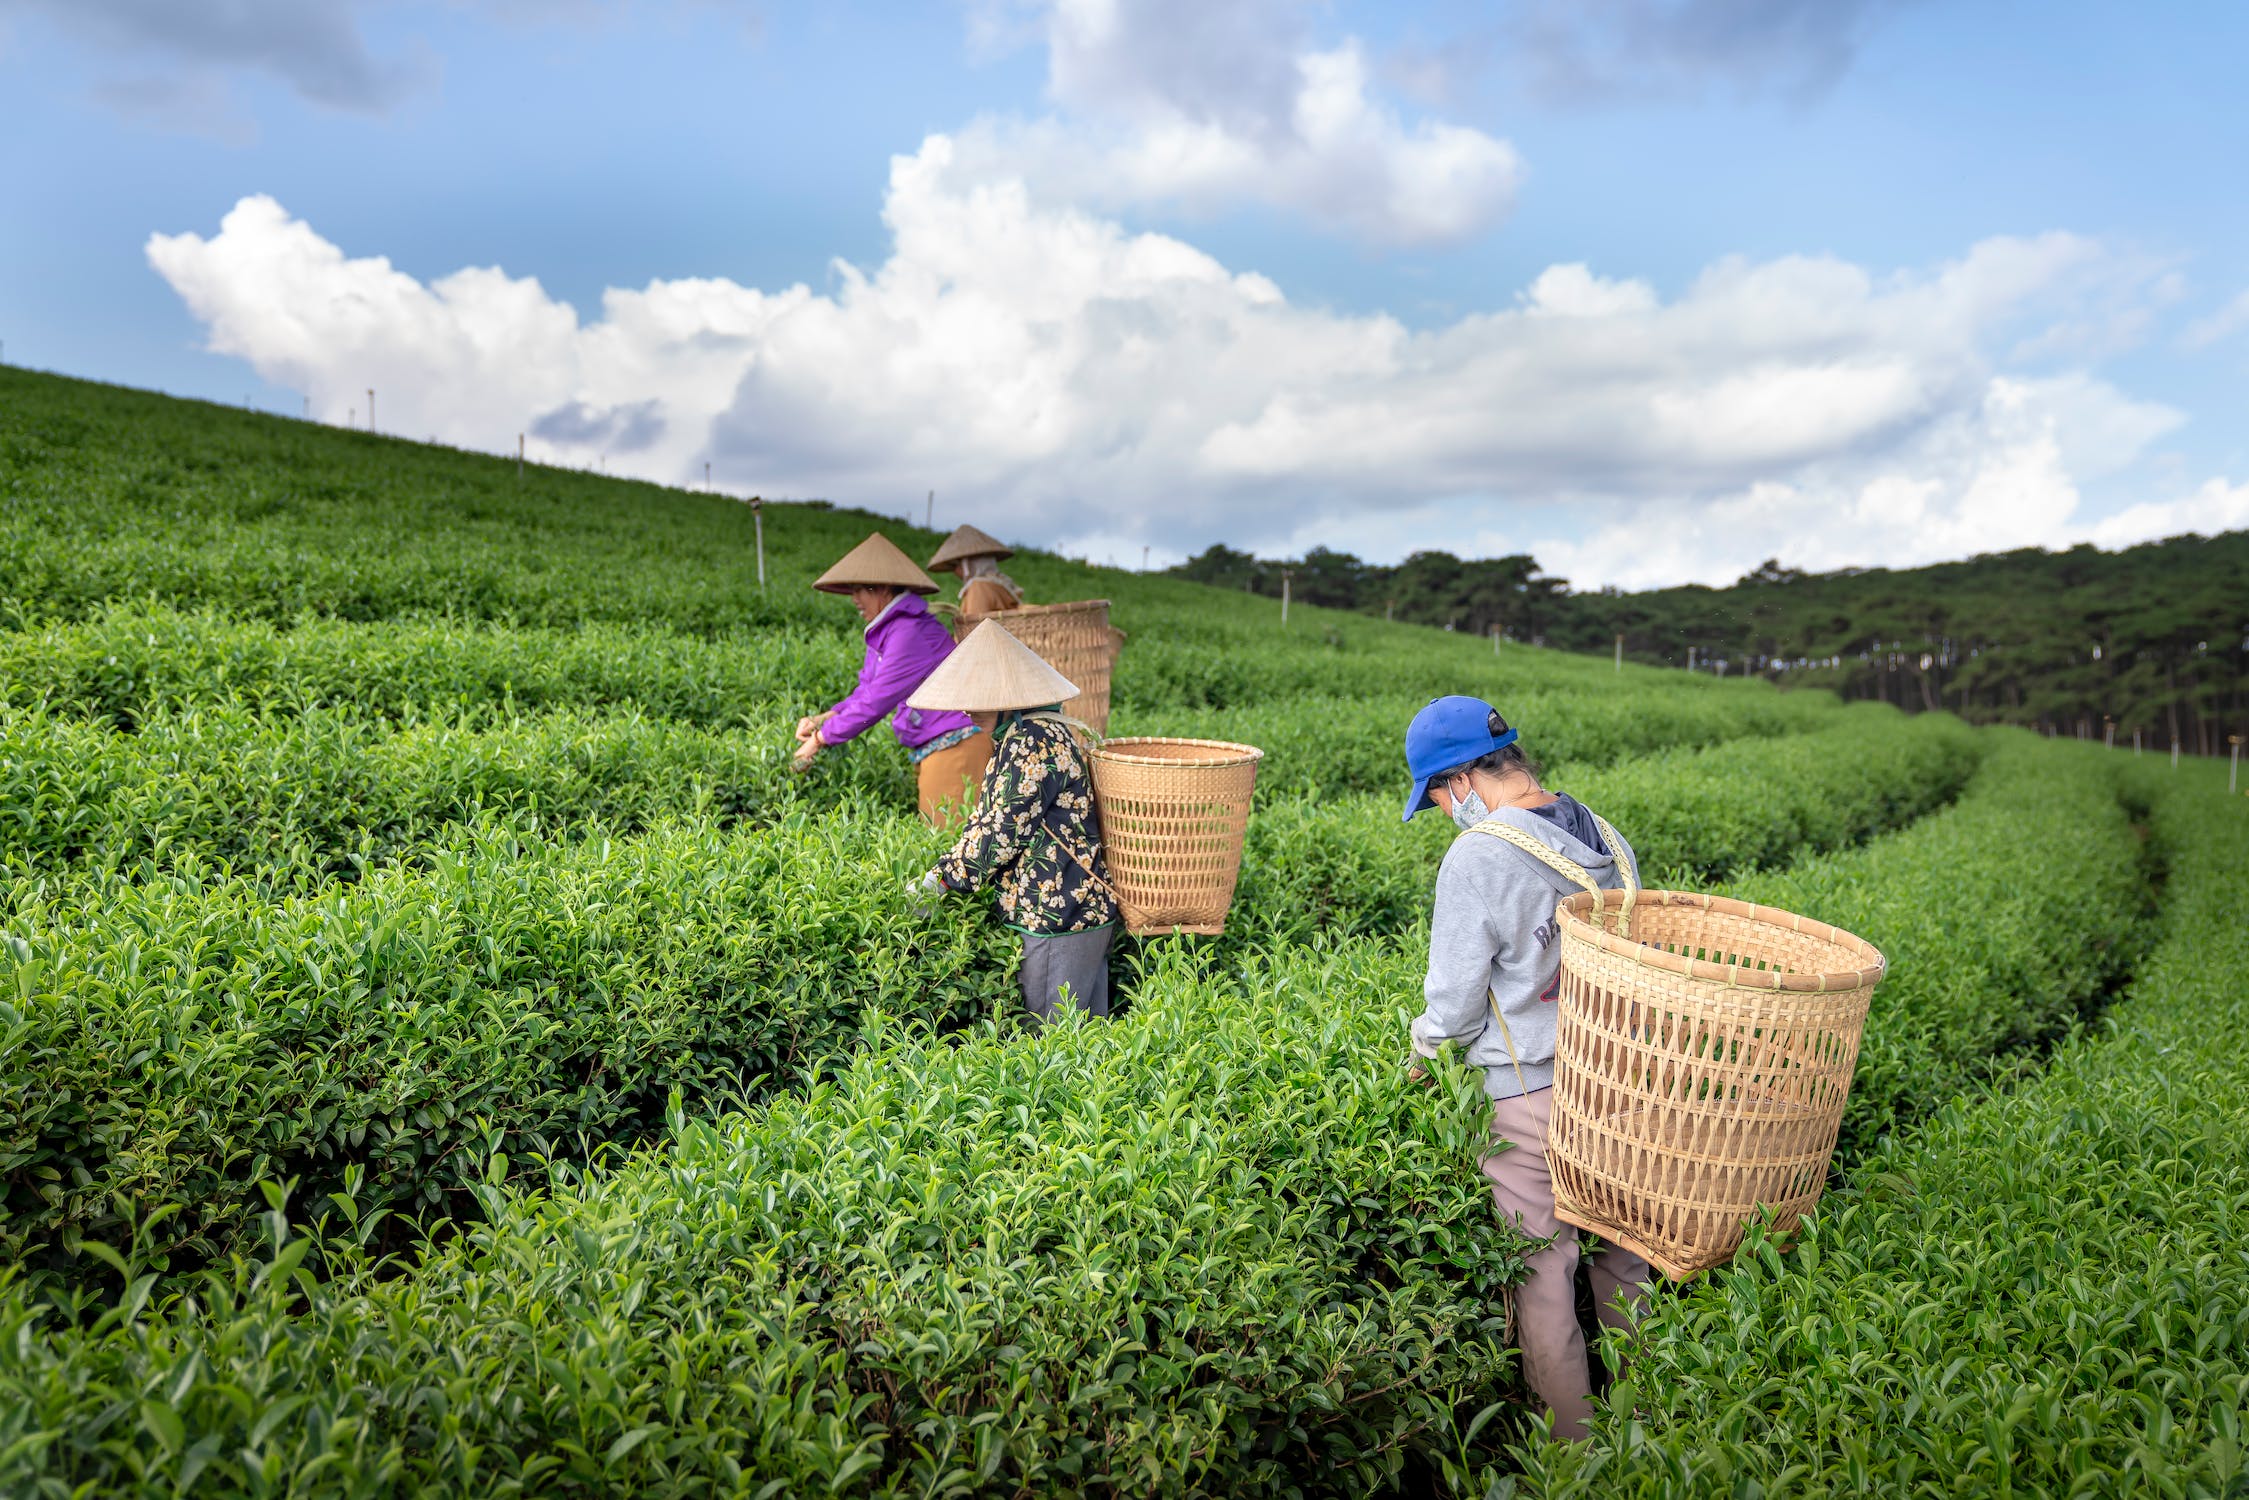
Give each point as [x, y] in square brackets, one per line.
[1468, 809]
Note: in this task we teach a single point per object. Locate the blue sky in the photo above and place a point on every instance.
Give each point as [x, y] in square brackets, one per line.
[1862, 282]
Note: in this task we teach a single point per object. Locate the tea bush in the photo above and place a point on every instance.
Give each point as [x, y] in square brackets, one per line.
[1216, 1246]
[1208, 1249]
[1343, 865]
[140, 660]
[358, 1010]
[1979, 980]
[376, 820]
[2042, 1293]
[321, 795]
[111, 497]
[1326, 745]
[171, 1040]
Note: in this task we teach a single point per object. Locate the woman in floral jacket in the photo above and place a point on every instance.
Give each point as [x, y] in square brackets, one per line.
[1036, 835]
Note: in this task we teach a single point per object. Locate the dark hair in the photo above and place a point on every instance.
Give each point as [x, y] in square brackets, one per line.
[1500, 762]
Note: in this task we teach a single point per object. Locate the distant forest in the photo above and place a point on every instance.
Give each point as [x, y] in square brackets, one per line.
[2153, 639]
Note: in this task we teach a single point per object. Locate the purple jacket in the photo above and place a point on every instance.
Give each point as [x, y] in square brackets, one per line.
[904, 645]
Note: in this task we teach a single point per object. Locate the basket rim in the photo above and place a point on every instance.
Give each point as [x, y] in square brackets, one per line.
[1225, 752]
[1572, 909]
[1046, 609]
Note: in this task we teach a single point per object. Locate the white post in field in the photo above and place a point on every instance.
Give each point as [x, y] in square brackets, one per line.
[370, 408]
[1620, 653]
[1284, 595]
[757, 515]
[519, 458]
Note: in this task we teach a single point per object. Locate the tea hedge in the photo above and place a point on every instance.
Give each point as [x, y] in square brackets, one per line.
[1327, 744]
[114, 498]
[312, 797]
[1212, 1248]
[140, 660]
[389, 823]
[170, 1041]
[2046, 903]
[320, 794]
[1344, 866]
[285, 1072]
[2045, 1292]
[1215, 1246]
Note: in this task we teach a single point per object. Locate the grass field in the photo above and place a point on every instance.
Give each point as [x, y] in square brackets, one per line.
[443, 1050]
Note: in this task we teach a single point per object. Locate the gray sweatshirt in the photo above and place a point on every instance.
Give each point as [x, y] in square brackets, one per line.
[1494, 930]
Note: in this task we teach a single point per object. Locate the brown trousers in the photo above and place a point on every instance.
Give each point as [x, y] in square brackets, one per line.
[1546, 1323]
[949, 780]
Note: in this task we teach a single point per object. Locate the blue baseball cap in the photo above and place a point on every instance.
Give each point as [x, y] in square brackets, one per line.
[1445, 736]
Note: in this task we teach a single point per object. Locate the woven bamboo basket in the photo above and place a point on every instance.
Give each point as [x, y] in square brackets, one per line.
[1173, 813]
[1703, 1052]
[1074, 639]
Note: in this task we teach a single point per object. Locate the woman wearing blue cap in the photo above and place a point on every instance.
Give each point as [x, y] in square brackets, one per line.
[1494, 974]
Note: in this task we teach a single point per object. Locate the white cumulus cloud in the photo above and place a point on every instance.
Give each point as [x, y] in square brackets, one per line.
[1066, 382]
[1204, 107]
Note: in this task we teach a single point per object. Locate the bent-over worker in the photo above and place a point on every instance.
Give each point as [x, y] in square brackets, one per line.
[1494, 978]
[1036, 834]
[975, 556]
[905, 643]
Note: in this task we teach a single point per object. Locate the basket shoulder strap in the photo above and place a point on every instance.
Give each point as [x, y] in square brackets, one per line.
[1624, 863]
[1569, 869]
[1491, 998]
[1561, 864]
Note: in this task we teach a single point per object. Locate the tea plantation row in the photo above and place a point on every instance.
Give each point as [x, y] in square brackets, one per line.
[176, 1035]
[219, 525]
[320, 794]
[1217, 1244]
[2044, 1293]
[372, 818]
[133, 660]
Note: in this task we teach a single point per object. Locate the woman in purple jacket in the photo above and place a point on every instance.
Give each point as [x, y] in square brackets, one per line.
[905, 642]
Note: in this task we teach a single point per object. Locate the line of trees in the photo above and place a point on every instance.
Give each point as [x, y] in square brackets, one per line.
[2154, 638]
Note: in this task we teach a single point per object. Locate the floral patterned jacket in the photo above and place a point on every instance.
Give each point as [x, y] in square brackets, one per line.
[1036, 807]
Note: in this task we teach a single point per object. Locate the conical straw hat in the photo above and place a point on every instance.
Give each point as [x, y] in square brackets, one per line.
[875, 561]
[992, 672]
[967, 541]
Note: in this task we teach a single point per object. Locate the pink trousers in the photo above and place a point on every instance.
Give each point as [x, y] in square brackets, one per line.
[1546, 1323]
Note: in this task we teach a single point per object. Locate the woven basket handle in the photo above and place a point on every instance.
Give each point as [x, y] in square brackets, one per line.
[1569, 869]
[1624, 865]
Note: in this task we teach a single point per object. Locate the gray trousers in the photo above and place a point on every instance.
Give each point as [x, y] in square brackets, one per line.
[1076, 960]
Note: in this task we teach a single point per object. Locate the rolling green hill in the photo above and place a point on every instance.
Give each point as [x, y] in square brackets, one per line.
[445, 1051]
